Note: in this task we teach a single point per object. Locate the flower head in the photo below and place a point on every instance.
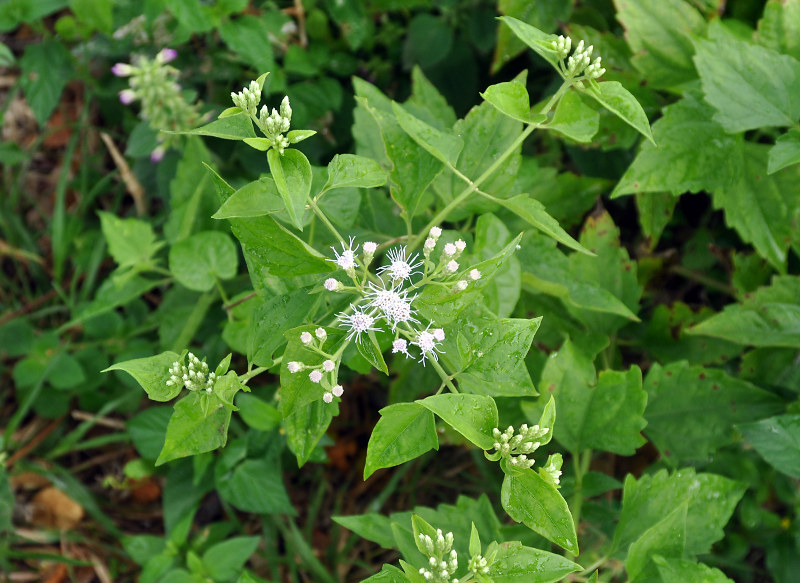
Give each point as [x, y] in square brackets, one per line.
[337, 390]
[122, 70]
[328, 365]
[358, 322]
[294, 366]
[474, 275]
[166, 55]
[306, 338]
[400, 345]
[347, 258]
[315, 376]
[401, 266]
[428, 344]
[435, 232]
[127, 96]
[321, 334]
[332, 284]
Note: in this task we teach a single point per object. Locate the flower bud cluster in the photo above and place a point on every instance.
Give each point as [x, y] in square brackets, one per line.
[324, 374]
[580, 62]
[248, 98]
[154, 83]
[517, 447]
[275, 124]
[194, 377]
[479, 565]
[442, 559]
[553, 467]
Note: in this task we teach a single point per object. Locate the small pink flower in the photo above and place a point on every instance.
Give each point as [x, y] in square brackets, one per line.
[127, 96]
[157, 155]
[166, 55]
[122, 69]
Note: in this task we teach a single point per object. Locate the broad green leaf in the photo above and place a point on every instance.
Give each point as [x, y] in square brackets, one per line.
[350, 171]
[191, 431]
[388, 574]
[779, 27]
[689, 143]
[533, 212]
[297, 389]
[501, 294]
[763, 209]
[297, 136]
[292, 174]
[248, 36]
[444, 146]
[233, 127]
[270, 249]
[543, 15]
[660, 34]
[510, 98]
[601, 414]
[718, 402]
[197, 261]
[131, 242]
[785, 152]
[252, 485]
[369, 349]
[225, 560]
[652, 498]
[260, 144]
[113, 292]
[257, 413]
[547, 270]
[474, 541]
[514, 563]
[680, 571]
[611, 268]
[530, 499]
[254, 199]
[655, 211]
[152, 373]
[619, 101]
[7, 502]
[306, 425]
[147, 430]
[574, 119]
[473, 416]
[191, 193]
[768, 317]
[427, 104]
[46, 70]
[405, 431]
[666, 538]
[374, 527]
[749, 86]
[275, 316]
[534, 38]
[777, 440]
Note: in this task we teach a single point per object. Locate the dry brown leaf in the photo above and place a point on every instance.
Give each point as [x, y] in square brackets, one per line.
[54, 509]
[28, 481]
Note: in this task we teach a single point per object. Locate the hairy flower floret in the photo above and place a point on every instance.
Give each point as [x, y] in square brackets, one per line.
[394, 303]
[428, 344]
[346, 259]
[357, 322]
[401, 266]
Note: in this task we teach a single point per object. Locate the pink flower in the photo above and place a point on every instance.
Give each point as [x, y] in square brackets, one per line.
[157, 155]
[166, 55]
[122, 69]
[127, 96]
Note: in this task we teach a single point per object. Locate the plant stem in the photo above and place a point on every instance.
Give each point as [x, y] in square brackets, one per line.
[256, 371]
[580, 464]
[445, 377]
[318, 211]
[194, 320]
[709, 282]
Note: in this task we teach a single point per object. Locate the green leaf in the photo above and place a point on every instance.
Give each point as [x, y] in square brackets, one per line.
[351, 171]
[777, 440]
[718, 402]
[152, 374]
[292, 174]
[252, 485]
[768, 317]
[305, 426]
[370, 350]
[534, 38]
[95, 14]
[574, 119]
[611, 268]
[689, 143]
[248, 36]
[619, 101]
[510, 98]
[652, 498]
[232, 127]
[197, 261]
[191, 193]
[544, 15]
[501, 294]
[655, 211]
[374, 527]
[604, 414]
[257, 413]
[225, 560]
[6, 502]
[473, 416]
[785, 152]
[271, 250]
[514, 563]
[665, 538]
[660, 34]
[191, 431]
[388, 574]
[779, 27]
[763, 209]
[533, 212]
[766, 84]
[46, 69]
[530, 499]
[474, 541]
[254, 199]
[405, 431]
[297, 136]
[273, 318]
[444, 146]
[680, 571]
[147, 430]
[131, 242]
[260, 144]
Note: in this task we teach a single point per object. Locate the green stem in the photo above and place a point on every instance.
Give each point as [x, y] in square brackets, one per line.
[472, 186]
[256, 371]
[317, 211]
[580, 464]
[445, 377]
[709, 282]
[194, 320]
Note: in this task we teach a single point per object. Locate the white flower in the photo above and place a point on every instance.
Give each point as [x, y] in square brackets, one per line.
[400, 266]
[396, 306]
[428, 345]
[451, 267]
[474, 275]
[400, 345]
[461, 285]
[347, 259]
[435, 232]
[461, 245]
[315, 376]
[337, 390]
[321, 334]
[332, 284]
[328, 365]
[294, 367]
[438, 334]
[370, 247]
[327, 397]
[358, 322]
[450, 249]
[429, 244]
[306, 338]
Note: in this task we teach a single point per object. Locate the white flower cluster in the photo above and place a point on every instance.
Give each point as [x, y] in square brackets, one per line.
[248, 98]
[553, 467]
[323, 374]
[517, 447]
[387, 297]
[580, 62]
[479, 565]
[442, 559]
[194, 377]
[274, 124]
